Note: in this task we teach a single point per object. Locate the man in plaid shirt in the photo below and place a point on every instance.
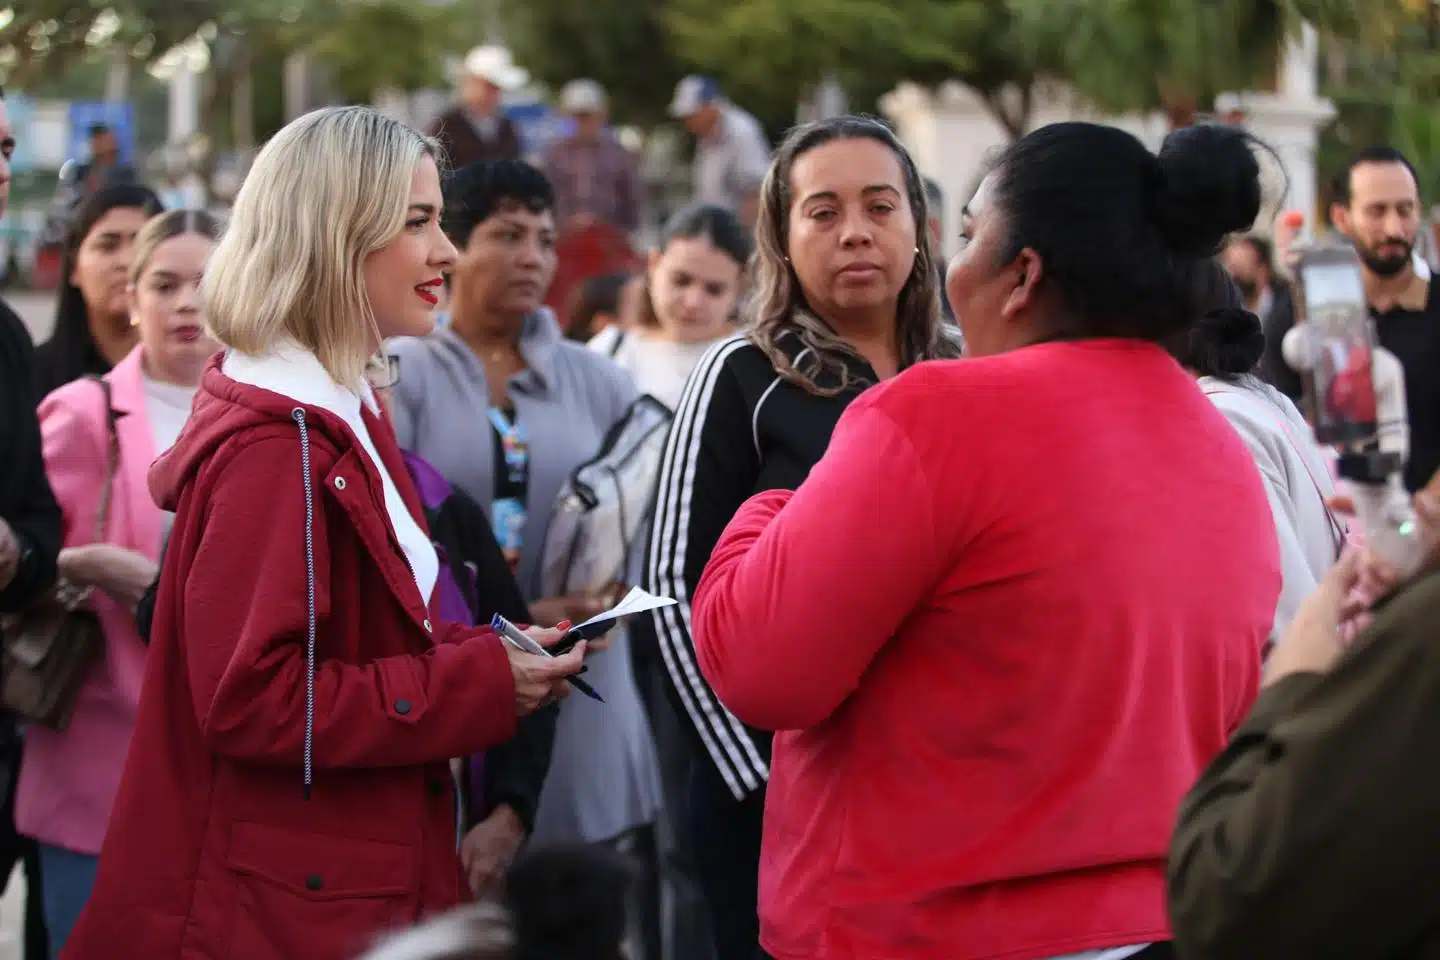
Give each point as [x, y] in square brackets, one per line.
[594, 176]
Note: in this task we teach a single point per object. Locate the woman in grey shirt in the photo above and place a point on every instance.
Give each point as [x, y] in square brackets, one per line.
[506, 408]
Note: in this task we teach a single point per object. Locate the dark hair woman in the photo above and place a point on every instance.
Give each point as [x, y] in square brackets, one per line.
[693, 281]
[1021, 600]
[506, 408]
[596, 306]
[92, 318]
[845, 297]
[1223, 350]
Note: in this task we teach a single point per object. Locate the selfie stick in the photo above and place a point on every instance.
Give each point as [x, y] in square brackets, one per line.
[1375, 475]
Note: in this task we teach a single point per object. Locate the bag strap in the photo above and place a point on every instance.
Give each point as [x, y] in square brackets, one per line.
[1337, 529]
[112, 461]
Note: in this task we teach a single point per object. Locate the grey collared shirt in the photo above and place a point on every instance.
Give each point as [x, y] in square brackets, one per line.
[604, 778]
[731, 162]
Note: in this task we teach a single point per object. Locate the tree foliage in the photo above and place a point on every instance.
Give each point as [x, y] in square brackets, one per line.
[366, 44]
[779, 48]
[1385, 88]
[400, 44]
[1178, 55]
[45, 37]
[620, 43]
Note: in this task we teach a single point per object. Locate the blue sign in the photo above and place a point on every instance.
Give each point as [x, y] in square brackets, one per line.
[537, 126]
[117, 116]
[22, 119]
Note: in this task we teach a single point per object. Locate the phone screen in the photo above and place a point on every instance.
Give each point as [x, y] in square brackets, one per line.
[1342, 379]
[1333, 285]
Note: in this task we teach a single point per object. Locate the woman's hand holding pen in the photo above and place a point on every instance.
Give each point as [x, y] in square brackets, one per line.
[540, 681]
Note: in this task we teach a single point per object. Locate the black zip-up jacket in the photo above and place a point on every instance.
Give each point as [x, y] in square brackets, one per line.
[27, 504]
[739, 430]
[514, 770]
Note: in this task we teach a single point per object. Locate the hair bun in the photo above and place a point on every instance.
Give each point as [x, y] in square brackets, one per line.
[1206, 185]
[1228, 342]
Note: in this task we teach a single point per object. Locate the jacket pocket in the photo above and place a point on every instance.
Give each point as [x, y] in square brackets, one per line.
[314, 895]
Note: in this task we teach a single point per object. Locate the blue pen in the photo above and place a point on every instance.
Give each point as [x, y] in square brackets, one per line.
[525, 643]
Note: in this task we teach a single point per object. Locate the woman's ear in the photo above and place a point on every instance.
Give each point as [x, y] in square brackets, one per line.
[1029, 271]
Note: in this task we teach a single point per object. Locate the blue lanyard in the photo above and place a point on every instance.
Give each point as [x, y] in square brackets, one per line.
[512, 444]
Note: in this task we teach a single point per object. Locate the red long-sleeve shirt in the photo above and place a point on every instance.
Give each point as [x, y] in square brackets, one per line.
[1002, 627]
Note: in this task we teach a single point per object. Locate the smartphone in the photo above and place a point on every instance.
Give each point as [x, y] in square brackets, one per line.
[583, 632]
[1340, 384]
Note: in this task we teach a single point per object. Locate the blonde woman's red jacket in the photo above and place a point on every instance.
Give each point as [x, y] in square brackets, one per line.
[221, 843]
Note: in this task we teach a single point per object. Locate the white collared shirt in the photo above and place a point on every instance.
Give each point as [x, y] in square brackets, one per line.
[296, 373]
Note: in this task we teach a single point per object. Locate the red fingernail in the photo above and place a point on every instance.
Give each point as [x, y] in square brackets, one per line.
[563, 625]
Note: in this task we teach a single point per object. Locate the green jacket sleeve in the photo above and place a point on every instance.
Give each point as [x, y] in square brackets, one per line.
[1315, 833]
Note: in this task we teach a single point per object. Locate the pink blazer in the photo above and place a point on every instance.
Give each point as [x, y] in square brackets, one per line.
[68, 780]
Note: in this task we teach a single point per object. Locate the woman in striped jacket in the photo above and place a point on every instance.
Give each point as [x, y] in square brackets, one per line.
[846, 296]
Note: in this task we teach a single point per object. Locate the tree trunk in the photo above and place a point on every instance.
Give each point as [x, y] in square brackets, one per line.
[1181, 112]
[1014, 118]
[242, 103]
[297, 85]
[117, 78]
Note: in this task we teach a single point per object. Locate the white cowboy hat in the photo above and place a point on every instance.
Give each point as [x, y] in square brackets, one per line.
[582, 96]
[493, 63]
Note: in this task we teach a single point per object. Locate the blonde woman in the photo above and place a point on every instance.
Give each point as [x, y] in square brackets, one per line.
[68, 778]
[287, 792]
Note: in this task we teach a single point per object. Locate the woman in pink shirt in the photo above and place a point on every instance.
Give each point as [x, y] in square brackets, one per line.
[68, 779]
[1020, 603]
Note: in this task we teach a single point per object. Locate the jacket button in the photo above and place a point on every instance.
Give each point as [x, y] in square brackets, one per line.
[314, 882]
[402, 707]
[339, 483]
[427, 626]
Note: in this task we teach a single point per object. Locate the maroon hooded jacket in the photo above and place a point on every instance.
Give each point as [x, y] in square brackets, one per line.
[287, 796]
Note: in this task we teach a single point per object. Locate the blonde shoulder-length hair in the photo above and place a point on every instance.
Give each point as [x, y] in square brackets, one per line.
[779, 306]
[326, 191]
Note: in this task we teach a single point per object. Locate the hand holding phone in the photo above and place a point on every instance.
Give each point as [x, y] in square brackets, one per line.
[519, 640]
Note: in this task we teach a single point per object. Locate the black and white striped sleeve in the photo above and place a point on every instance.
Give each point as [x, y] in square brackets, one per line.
[708, 470]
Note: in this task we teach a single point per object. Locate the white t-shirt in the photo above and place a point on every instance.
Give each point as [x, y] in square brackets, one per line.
[167, 407]
[296, 373]
[659, 367]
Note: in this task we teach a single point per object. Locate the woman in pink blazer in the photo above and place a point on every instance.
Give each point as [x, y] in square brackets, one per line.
[68, 780]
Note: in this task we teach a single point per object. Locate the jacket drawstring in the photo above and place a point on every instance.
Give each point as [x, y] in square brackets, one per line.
[299, 415]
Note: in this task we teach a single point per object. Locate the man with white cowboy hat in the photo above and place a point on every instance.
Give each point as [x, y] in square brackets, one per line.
[476, 128]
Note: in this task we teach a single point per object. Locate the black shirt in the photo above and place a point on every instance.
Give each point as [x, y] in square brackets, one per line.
[1414, 337]
[65, 357]
[515, 770]
[740, 430]
[1277, 323]
[26, 501]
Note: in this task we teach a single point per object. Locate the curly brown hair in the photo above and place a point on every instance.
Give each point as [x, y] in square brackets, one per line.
[779, 305]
